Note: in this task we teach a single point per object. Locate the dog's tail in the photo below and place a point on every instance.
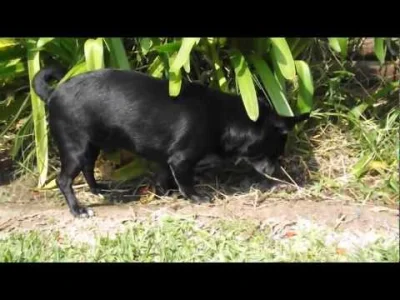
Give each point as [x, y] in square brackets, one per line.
[41, 80]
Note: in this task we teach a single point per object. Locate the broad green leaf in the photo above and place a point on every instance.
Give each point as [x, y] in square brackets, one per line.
[245, 83]
[293, 42]
[118, 53]
[76, 70]
[168, 48]
[114, 156]
[39, 118]
[343, 46]
[62, 49]
[357, 111]
[12, 53]
[43, 41]
[380, 49]
[220, 77]
[298, 45]
[11, 68]
[52, 184]
[145, 45]
[272, 86]
[183, 55]
[362, 165]
[186, 66]
[334, 43]
[130, 171]
[7, 42]
[379, 166]
[261, 45]
[156, 68]
[175, 79]
[94, 54]
[278, 75]
[222, 41]
[155, 41]
[281, 53]
[387, 89]
[306, 86]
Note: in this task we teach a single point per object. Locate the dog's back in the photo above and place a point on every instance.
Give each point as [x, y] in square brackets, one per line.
[127, 109]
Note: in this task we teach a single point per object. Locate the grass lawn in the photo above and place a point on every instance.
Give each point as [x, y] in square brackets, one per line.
[186, 240]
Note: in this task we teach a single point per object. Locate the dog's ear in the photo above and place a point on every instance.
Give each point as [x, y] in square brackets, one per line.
[286, 124]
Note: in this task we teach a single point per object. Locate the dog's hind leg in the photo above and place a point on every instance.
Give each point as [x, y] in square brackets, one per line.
[70, 168]
[164, 180]
[72, 150]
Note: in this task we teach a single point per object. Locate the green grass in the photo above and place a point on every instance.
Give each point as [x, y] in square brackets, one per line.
[177, 240]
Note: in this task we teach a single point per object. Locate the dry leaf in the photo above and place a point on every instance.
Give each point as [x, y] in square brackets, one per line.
[290, 234]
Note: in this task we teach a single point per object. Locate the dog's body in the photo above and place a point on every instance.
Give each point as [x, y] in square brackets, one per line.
[109, 109]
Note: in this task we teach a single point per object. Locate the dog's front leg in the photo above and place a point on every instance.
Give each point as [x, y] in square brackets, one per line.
[182, 170]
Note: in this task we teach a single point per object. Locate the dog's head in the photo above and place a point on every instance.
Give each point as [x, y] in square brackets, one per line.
[264, 152]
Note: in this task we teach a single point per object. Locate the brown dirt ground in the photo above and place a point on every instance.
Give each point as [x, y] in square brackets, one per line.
[111, 218]
[22, 209]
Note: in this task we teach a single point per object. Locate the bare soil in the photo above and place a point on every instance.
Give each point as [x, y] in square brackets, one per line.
[22, 209]
[111, 218]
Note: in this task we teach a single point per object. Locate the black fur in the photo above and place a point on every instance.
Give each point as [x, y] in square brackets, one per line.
[110, 109]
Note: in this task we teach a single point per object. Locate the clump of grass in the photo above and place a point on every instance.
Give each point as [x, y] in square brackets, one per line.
[187, 240]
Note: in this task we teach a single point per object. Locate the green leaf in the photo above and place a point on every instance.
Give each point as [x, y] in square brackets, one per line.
[334, 43]
[75, 70]
[11, 68]
[306, 86]
[245, 82]
[94, 54]
[357, 111]
[7, 42]
[156, 68]
[12, 53]
[272, 86]
[39, 117]
[298, 45]
[362, 165]
[283, 56]
[186, 66]
[130, 171]
[168, 48]
[175, 79]
[183, 56]
[43, 41]
[222, 82]
[118, 53]
[261, 46]
[145, 45]
[387, 89]
[380, 49]
[343, 46]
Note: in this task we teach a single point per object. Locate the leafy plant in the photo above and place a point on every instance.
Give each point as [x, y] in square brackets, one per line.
[275, 67]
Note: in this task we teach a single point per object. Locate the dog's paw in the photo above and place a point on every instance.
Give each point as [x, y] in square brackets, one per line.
[83, 213]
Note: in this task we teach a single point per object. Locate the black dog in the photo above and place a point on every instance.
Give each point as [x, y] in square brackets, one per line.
[109, 109]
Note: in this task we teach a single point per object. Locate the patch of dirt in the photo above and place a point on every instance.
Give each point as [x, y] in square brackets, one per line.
[112, 218]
